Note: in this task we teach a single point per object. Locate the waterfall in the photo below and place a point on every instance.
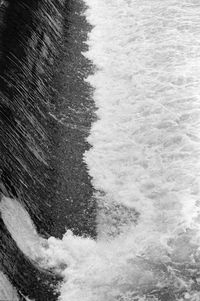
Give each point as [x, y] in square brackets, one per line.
[45, 116]
[143, 160]
[145, 156]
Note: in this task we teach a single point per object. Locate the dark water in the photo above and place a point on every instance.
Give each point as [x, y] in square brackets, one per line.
[45, 115]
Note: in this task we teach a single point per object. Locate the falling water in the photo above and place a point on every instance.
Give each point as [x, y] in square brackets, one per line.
[144, 158]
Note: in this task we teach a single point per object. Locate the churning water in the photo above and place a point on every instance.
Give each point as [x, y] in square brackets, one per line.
[145, 157]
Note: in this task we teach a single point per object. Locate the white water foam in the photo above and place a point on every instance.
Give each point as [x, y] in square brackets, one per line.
[146, 142]
[21, 228]
[7, 291]
[145, 156]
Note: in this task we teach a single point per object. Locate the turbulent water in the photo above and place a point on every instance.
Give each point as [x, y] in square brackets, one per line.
[145, 156]
[144, 160]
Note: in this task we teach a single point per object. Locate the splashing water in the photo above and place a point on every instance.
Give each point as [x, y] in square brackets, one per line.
[7, 292]
[145, 156]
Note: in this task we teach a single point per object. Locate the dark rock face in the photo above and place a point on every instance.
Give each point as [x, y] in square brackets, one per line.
[45, 116]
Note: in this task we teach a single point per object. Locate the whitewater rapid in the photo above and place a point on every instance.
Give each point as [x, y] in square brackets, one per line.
[146, 142]
[144, 158]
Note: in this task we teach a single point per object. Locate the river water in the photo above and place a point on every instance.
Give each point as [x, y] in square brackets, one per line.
[144, 159]
[145, 156]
